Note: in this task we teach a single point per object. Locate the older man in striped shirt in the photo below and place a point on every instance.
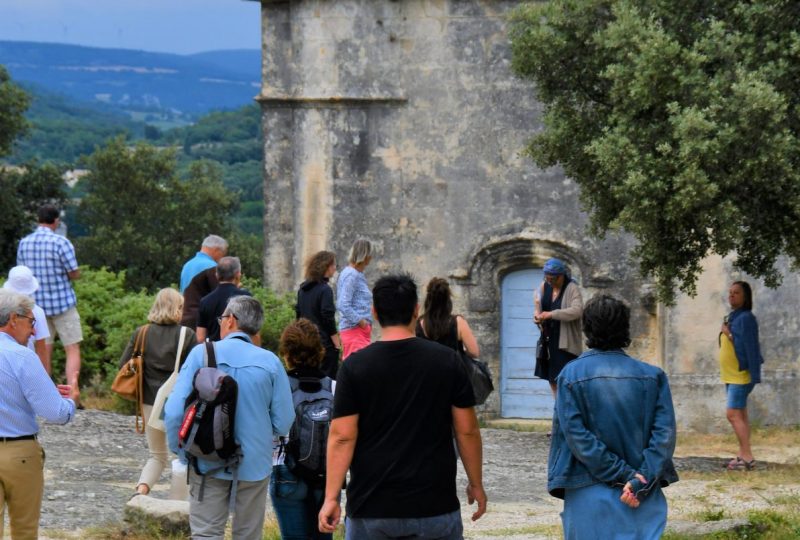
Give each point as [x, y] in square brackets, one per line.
[27, 393]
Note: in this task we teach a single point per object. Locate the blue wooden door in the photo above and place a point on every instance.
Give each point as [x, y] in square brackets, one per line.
[521, 394]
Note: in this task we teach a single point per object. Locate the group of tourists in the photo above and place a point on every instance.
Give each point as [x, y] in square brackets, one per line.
[396, 413]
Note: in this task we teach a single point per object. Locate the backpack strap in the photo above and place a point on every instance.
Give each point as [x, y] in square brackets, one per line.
[210, 359]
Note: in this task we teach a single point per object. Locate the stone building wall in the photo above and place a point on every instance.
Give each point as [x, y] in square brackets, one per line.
[400, 121]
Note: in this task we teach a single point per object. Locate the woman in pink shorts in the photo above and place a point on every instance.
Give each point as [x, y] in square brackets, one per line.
[354, 300]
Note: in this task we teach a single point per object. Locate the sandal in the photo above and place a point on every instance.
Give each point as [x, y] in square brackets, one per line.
[738, 464]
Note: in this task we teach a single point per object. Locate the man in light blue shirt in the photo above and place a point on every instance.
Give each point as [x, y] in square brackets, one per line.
[213, 249]
[264, 408]
[27, 392]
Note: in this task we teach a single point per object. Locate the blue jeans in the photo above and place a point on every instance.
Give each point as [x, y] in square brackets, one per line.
[737, 395]
[296, 505]
[443, 527]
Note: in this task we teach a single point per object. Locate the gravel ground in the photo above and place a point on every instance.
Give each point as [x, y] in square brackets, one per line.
[93, 463]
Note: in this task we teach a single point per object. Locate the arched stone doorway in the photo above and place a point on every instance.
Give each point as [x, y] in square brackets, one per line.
[479, 287]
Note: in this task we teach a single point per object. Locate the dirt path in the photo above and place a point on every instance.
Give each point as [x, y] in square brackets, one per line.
[93, 463]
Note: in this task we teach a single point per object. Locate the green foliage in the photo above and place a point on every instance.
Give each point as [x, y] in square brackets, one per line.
[218, 127]
[249, 248]
[278, 312]
[25, 189]
[680, 122]
[63, 130]
[761, 525]
[109, 315]
[143, 218]
[13, 104]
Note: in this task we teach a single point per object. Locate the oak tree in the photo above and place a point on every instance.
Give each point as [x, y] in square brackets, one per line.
[679, 120]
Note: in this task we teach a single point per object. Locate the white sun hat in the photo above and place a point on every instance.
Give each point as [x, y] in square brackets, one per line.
[22, 281]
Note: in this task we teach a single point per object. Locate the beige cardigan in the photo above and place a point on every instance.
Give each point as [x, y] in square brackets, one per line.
[570, 338]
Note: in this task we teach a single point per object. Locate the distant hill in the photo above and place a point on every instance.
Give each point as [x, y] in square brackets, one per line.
[138, 81]
[62, 129]
[239, 60]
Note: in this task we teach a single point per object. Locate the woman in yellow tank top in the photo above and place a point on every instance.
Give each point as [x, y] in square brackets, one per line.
[740, 367]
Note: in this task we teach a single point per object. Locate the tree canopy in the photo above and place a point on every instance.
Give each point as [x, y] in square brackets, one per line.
[24, 188]
[143, 218]
[13, 104]
[679, 120]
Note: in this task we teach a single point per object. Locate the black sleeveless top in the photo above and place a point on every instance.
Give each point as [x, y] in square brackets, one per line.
[448, 340]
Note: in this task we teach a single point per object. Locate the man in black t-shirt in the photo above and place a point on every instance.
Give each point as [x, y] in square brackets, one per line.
[212, 306]
[397, 404]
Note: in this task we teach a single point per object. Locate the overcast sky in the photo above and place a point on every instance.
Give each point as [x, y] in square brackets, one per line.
[176, 26]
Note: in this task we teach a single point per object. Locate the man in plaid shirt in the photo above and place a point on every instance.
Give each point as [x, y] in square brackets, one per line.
[51, 257]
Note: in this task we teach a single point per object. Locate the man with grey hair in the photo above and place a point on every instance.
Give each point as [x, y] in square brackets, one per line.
[27, 393]
[263, 408]
[213, 249]
[229, 274]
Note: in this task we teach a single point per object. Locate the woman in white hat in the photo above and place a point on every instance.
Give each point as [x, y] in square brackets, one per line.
[21, 280]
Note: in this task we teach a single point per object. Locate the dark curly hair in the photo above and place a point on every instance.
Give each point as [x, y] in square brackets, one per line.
[606, 323]
[318, 264]
[301, 346]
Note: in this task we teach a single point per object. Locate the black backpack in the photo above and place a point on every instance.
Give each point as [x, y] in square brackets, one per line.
[308, 438]
[208, 428]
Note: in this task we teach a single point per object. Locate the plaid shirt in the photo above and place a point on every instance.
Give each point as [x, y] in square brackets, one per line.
[50, 256]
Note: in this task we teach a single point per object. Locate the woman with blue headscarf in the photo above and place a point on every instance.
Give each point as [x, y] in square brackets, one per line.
[558, 310]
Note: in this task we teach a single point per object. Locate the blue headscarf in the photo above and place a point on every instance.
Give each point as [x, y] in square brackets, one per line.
[555, 267]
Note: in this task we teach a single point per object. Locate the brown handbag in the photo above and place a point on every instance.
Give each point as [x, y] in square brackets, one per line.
[128, 384]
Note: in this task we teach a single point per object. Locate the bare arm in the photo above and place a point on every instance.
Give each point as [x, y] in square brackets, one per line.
[201, 334]
[75, 274]
[537, 302]
[468, 338]
[468, 438]
[40, 348]
[341, 444]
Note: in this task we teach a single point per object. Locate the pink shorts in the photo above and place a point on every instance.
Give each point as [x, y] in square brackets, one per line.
[354, 339]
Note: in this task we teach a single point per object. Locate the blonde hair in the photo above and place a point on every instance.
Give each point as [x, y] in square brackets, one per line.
[361, 250]
[167, 307]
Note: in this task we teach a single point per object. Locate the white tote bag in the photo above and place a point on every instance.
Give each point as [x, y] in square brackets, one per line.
[156, 420]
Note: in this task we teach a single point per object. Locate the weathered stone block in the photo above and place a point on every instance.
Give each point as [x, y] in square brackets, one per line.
[145, 513]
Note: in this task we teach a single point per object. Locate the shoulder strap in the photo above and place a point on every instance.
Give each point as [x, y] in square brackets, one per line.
[327, 383]
[181, 340]
[138, 341]
[211, 357]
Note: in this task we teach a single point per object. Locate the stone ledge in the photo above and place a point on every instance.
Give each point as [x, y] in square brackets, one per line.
[145, 513]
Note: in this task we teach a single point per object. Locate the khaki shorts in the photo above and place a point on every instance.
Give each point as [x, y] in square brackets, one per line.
[67, 325]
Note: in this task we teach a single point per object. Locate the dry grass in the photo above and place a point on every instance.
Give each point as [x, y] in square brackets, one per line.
[773, 444]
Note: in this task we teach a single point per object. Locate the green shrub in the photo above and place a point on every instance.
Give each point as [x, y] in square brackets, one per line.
[109, 315]
[278, 312]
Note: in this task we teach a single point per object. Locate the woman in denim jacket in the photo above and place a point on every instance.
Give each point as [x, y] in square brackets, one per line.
[613, 435]
[740, 367]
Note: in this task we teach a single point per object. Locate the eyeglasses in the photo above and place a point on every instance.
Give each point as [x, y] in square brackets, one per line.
[32, 319]
[221, 317]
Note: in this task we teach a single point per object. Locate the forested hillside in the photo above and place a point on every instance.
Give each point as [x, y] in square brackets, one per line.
[65, 131]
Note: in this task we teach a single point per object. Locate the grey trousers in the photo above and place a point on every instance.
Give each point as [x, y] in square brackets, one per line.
[207, 518]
